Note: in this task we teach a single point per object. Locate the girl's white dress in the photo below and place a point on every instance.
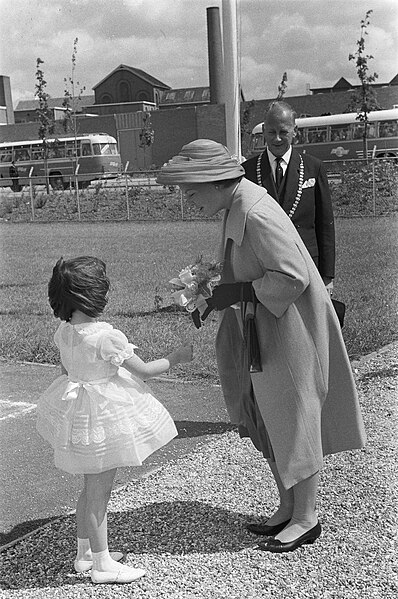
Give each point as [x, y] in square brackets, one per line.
[99, 416]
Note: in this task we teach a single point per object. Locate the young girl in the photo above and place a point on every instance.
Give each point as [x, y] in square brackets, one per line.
[99, 415]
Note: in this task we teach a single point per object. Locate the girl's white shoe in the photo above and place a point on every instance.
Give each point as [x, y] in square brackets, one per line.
[83, 565]
[125, 574]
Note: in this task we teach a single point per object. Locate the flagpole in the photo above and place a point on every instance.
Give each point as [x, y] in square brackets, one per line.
[231, 77]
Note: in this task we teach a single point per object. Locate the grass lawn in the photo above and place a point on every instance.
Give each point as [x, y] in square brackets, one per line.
[142, 257]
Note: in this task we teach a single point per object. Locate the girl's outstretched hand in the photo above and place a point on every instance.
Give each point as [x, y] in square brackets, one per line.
[182, 354]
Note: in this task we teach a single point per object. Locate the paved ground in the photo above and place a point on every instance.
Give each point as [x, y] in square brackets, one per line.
[33, 490]
[186, 523]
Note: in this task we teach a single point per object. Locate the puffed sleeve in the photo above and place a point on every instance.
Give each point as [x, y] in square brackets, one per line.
[115, 348]
[57, 334]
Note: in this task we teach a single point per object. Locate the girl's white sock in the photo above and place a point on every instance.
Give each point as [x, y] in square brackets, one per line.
[83, 549]
[103, 562]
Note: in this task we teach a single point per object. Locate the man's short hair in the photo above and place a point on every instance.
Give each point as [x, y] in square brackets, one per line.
[283, 106]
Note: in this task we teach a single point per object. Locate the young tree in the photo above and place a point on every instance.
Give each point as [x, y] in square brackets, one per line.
[282, 87]
[45, 114]
[364, 100]
[71, 100]
[246, 126]
[147, 134]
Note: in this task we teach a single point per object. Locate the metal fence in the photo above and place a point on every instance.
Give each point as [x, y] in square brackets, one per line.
[364, 188]
[358, 188]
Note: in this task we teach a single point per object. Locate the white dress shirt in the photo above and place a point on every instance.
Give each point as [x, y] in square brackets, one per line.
[284, 162]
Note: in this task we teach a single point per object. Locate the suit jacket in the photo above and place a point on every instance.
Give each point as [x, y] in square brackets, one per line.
[313, 217]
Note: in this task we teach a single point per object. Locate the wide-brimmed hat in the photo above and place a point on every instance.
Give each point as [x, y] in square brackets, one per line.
[201, 161]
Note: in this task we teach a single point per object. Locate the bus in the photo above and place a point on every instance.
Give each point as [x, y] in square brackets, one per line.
[339, 136]
[92, 156]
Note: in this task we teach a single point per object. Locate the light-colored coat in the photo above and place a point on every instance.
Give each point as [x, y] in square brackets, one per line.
[305, 393]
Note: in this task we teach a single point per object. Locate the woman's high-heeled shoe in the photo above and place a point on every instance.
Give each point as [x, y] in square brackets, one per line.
[275, 546]
[264, 529]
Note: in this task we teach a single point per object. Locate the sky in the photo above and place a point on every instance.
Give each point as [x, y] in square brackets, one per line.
[310, 40]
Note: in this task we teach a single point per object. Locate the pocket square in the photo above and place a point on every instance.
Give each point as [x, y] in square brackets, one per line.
[309, 183]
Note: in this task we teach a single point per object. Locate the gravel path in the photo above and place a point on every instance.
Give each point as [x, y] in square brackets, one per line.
[185, 524]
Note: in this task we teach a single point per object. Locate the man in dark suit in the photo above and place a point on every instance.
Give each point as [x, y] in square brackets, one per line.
[299, 183]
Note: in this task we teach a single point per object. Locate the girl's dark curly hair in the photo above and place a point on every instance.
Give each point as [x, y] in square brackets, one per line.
[78, 284]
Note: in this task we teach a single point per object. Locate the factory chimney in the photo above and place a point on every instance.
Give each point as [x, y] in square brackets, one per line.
[215, 55]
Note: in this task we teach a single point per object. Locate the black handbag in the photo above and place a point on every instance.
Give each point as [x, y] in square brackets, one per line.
[250, 336]
[340, 311]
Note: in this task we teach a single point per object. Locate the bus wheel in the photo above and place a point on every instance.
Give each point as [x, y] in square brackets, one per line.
[57, 182]
[386, 155]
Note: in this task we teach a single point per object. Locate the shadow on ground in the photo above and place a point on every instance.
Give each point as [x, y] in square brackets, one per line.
[177, 528]
[24, 528]
[187, 429]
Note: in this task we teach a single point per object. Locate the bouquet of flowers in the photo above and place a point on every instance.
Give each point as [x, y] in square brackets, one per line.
[195, 283]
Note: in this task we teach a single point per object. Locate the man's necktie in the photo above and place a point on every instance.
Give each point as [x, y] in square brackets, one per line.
[278, 173]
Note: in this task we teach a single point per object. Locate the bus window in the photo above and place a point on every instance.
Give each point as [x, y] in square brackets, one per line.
[37, 152]
[21, 154]
[56, 150]
[5, 154]
[70, 148]
[357, 130]
[104, 149]
[388, 128]
[340, 133]
[372, 130]
[317, 135]
[258, 141]
[86, 149]
[300, 136]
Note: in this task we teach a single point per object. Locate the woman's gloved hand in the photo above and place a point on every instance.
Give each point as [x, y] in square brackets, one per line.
[230, 293]
[224, 296]
[195, 315]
